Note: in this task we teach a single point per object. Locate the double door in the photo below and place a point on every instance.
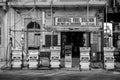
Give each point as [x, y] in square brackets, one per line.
[33, 40]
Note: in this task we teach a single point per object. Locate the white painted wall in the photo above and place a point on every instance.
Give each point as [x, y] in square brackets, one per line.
[4, 33]
[12, 17]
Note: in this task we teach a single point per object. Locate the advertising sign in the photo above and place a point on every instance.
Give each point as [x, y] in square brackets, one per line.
[108, 28]
[71, 21]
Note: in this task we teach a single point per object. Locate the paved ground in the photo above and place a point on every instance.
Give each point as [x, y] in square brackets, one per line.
[58, 75]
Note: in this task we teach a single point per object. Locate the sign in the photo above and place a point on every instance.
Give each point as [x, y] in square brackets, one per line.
[108, 28]
[71, 21]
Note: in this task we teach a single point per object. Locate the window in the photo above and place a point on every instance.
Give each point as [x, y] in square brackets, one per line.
[84, 19]
[48, 40]
[76, 20]
[63, 21]
[91, 19]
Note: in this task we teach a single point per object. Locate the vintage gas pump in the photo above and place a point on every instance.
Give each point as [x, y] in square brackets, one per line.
[68, 56]
[33, 59]
[109, 57]
[17, 55]
[55, 57]
[84, 58]
[117, 53]
[16, 58]
[44, 58]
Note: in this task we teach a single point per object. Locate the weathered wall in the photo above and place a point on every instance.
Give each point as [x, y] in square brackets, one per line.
[19, 20]
[4, 32]
[69, 12]
[22, 19]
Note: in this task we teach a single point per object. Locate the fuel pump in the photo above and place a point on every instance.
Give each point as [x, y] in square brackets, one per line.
[17, 55]
[84, 58]
[16, 58]
[55, 57]
[68, 56]
[109, 57]
[33, 59]
[117, 54]
[44, 58]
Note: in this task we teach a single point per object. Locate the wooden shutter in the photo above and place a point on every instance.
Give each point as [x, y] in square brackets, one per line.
[48, 40]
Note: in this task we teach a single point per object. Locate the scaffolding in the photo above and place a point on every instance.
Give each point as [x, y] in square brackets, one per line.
[24, 31]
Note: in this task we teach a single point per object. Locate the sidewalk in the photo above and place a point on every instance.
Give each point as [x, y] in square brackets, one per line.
[2, 64]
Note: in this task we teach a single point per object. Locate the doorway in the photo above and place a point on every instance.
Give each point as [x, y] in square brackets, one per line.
[75, 40]
[33, 36]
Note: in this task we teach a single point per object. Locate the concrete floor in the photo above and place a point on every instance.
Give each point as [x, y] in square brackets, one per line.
[58, 75]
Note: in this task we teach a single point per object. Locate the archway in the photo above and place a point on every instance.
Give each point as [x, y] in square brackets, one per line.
[33, 35]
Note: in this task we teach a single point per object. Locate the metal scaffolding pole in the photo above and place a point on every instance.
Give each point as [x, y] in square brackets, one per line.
[106, 7]
[88, 22]
[88, 13]
[51, 7]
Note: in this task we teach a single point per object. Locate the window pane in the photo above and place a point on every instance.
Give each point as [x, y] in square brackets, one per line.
[91, 19]
[48, 40]
[55, 40]
[76, 20]
[84, 20]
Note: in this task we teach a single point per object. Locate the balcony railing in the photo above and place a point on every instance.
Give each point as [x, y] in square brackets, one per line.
[57, 2]
[2, 1]
[80, 2]
[29, 2]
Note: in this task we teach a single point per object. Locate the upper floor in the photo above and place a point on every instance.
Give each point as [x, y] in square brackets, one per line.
[55, 3]
[2, 2]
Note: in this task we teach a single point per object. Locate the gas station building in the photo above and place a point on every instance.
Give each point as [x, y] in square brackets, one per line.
[45, 24]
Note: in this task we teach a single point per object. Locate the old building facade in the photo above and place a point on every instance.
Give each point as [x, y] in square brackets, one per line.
[40, 24]
[3, 29]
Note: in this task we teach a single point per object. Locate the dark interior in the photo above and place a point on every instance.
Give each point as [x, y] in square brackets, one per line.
[75, 39]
